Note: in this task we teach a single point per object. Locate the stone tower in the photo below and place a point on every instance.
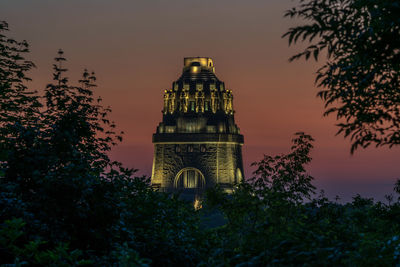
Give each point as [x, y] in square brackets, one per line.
[197, 144]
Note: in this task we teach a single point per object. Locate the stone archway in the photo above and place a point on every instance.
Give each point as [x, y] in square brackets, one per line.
[190, 178]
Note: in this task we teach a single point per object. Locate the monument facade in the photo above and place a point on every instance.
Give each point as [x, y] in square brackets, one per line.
[197, 144]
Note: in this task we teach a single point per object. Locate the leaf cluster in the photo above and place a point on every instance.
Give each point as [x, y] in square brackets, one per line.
[275, 219]
[360, 79]
[63, 201]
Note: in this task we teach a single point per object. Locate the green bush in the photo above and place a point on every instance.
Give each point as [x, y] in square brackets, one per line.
[64, 202]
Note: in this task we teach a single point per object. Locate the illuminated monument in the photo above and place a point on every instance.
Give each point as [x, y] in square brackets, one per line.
[197, 144]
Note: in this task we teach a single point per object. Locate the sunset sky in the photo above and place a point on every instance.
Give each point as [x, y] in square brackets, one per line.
[137, 48]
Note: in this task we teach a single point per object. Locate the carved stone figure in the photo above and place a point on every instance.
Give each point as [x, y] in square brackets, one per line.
[199, 101]
[213, 102]
[230, 103]
[172, 102]
[184, 101]
[225, 102]
[166, 100]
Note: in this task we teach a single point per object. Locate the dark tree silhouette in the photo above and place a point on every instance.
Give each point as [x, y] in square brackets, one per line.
[361, 76]
[18, 105]
[286, 174]
[58, 164]
[64, 202]
[79, 125]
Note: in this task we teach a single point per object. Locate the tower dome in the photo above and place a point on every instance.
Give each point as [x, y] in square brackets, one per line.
[197, 144]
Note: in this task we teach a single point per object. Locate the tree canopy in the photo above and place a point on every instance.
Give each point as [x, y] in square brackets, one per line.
[64, 202]
[360, 78]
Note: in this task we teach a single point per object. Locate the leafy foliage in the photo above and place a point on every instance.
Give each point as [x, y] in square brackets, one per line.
[15, 243]
[63, 202]
[285, 175]
[276, 220]
[14, 95]
[361, 77]
[17, 103]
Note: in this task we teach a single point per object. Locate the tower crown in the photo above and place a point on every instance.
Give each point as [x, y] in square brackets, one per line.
[198, 101]
[196, 64]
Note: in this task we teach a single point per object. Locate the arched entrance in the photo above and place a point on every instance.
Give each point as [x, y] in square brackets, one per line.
[190, 178]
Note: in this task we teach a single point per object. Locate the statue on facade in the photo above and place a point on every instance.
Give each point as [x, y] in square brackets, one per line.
[214, 102]
[184, 101]
[166, 100]
[230, 103]
[200, 101]
[225, 102]
[172, 102]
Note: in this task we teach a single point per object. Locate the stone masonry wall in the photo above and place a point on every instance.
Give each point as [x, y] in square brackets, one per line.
[218, 161]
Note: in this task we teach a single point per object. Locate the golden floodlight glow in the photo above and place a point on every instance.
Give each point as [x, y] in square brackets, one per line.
[197, 145]
[194, 69]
